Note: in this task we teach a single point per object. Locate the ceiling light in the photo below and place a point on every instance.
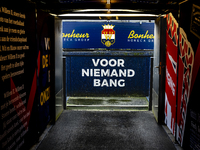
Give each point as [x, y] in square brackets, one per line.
[107, 15]
[53, 14]
[113, 10]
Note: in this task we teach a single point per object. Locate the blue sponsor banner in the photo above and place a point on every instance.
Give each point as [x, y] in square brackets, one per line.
[108, 35]
[107, 75]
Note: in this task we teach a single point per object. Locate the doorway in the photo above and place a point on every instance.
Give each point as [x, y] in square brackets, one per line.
[108, 75]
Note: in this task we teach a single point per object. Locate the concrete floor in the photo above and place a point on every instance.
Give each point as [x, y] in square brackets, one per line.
[108, 103]
[106, 130]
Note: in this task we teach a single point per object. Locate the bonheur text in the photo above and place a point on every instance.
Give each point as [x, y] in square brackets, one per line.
[112, 75]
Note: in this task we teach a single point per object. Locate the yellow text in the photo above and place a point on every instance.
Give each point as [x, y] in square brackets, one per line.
[44, 61]
[140, 36]
[75, 35]
[44, 96]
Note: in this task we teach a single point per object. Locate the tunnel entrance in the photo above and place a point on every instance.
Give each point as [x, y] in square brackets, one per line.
[108, 63]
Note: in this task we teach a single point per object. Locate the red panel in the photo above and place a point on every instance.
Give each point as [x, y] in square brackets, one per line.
[108, 31]
[171, 72]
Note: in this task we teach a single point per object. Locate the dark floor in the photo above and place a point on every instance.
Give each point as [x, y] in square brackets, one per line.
[106, 130]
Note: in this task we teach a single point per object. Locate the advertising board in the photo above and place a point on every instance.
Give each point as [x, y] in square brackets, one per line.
[183, 59]
[108, 75]
[108, 35]
[171, 72]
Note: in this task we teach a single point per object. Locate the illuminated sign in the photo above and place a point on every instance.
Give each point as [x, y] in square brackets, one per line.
[107, 75]
[115, 35]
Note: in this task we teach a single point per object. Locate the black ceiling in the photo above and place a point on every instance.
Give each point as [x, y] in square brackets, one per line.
[146, 6]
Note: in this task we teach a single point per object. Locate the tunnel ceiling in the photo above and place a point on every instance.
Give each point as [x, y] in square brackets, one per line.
[141, 6]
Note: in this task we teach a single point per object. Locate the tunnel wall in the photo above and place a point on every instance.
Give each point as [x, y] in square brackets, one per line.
[58, 69]
[183, 79]
[26, 47]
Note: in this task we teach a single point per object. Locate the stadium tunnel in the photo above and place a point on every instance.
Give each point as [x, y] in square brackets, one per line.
[98, 54]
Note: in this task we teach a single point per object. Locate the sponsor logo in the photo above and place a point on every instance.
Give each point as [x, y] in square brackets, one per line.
[108, 35]
[134, 37]
[77, 37]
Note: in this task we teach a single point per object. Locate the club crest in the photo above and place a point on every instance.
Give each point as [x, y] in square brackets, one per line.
[108, 35]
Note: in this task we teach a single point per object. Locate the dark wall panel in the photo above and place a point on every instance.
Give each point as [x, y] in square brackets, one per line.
[45, 43]
[18, 61]
[25, 37]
